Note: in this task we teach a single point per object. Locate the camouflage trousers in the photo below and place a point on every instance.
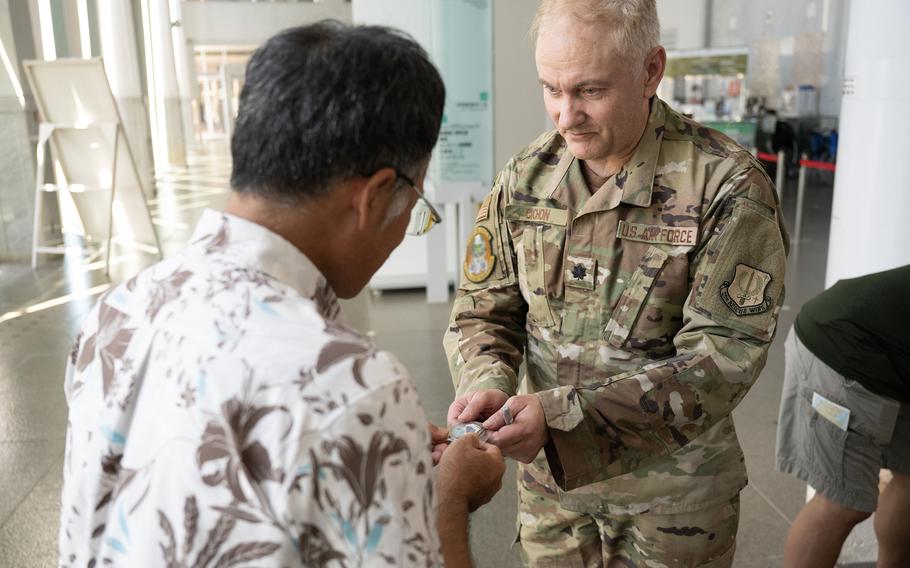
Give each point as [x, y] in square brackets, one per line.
[551, 535]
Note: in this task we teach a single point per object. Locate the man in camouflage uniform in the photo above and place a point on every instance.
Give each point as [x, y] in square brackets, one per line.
[634, 260]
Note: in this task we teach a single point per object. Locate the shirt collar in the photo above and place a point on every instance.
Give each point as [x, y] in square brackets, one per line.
[637, 175]
[250, 244]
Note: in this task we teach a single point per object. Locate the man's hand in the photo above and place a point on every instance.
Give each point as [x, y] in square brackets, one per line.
[526, 435]
[440, 440]
[469, 474]
[478, 405]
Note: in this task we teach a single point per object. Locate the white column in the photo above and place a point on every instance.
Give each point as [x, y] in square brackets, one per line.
[871, 199]
[17, 169]
[518, 113]
[69, 20]
[186, 73]
[167, 119]
[119, 48]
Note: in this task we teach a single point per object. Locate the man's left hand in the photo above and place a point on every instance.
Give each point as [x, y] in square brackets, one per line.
[523, 438]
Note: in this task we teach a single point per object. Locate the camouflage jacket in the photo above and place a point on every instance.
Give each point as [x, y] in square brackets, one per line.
[643, 312]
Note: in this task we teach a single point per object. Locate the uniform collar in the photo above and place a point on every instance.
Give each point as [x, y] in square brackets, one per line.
[636, 177]
[250, 244]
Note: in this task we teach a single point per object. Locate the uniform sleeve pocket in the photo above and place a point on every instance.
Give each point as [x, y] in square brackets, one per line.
[633, 298]
[740, 282]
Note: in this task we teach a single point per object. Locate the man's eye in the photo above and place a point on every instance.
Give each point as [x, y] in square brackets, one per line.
[551, 90]
[591, 92]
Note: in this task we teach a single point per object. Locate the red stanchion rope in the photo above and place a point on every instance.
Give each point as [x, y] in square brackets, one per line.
[815, 164]
[765, 157]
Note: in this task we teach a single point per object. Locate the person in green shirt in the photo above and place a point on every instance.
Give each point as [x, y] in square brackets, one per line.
[845, 414]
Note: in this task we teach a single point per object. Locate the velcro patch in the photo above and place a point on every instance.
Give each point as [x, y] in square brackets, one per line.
[479, 259]
[745, 294]
[546, 215]
[580, 272]
[657, 234]
[484, 210]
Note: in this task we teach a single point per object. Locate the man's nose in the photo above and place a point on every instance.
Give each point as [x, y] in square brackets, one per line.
[570, 113]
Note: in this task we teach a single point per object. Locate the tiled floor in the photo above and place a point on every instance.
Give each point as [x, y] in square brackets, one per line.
[40, 311]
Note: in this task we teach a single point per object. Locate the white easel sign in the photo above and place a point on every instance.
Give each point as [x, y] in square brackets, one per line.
[80, 121]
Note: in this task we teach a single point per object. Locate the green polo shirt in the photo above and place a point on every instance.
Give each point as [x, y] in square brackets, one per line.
[860, 327]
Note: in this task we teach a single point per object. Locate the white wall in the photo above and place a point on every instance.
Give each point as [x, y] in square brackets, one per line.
[411, 16]
[518, 112]
[248, 23]
[682, 23]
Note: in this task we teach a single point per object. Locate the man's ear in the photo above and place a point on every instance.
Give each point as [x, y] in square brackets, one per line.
[371, 196]
[655, 64]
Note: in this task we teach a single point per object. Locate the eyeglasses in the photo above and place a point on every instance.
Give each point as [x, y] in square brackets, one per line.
[423, 215]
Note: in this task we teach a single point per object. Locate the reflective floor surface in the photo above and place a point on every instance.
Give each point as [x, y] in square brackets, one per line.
[40, 312]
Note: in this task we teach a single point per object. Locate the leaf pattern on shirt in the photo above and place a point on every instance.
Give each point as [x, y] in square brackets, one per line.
[109, 343]
[215, 541]
[337, 351]
[165, 291]
[316, 549]
[190, 522]
[246, 285]
[226, 443]
[361, 467]
[214, 241]
[74, 351]
[325, 298]
[231, 277]
[220, 240]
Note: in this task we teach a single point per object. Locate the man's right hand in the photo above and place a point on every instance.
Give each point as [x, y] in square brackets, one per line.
[478, 405]
[469, 473]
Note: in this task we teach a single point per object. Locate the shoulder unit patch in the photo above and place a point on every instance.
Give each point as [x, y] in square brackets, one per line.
[479, 259]
[745, 295]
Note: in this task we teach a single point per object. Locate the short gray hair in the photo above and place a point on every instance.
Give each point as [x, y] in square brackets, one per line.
[633, 23]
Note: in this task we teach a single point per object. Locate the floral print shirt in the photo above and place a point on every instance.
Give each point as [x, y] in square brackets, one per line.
[219, 416]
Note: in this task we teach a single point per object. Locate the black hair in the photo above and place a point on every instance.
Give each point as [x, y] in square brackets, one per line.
[325, 102]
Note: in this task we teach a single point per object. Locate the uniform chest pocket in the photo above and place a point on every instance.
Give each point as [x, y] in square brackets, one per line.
[638, 288]
[539, 270]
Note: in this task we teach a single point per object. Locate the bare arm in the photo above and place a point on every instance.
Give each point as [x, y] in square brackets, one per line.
[452, 524]
[469, 475]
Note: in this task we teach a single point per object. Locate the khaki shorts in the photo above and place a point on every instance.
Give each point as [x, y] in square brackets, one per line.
[841, 464]
[552, 536]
